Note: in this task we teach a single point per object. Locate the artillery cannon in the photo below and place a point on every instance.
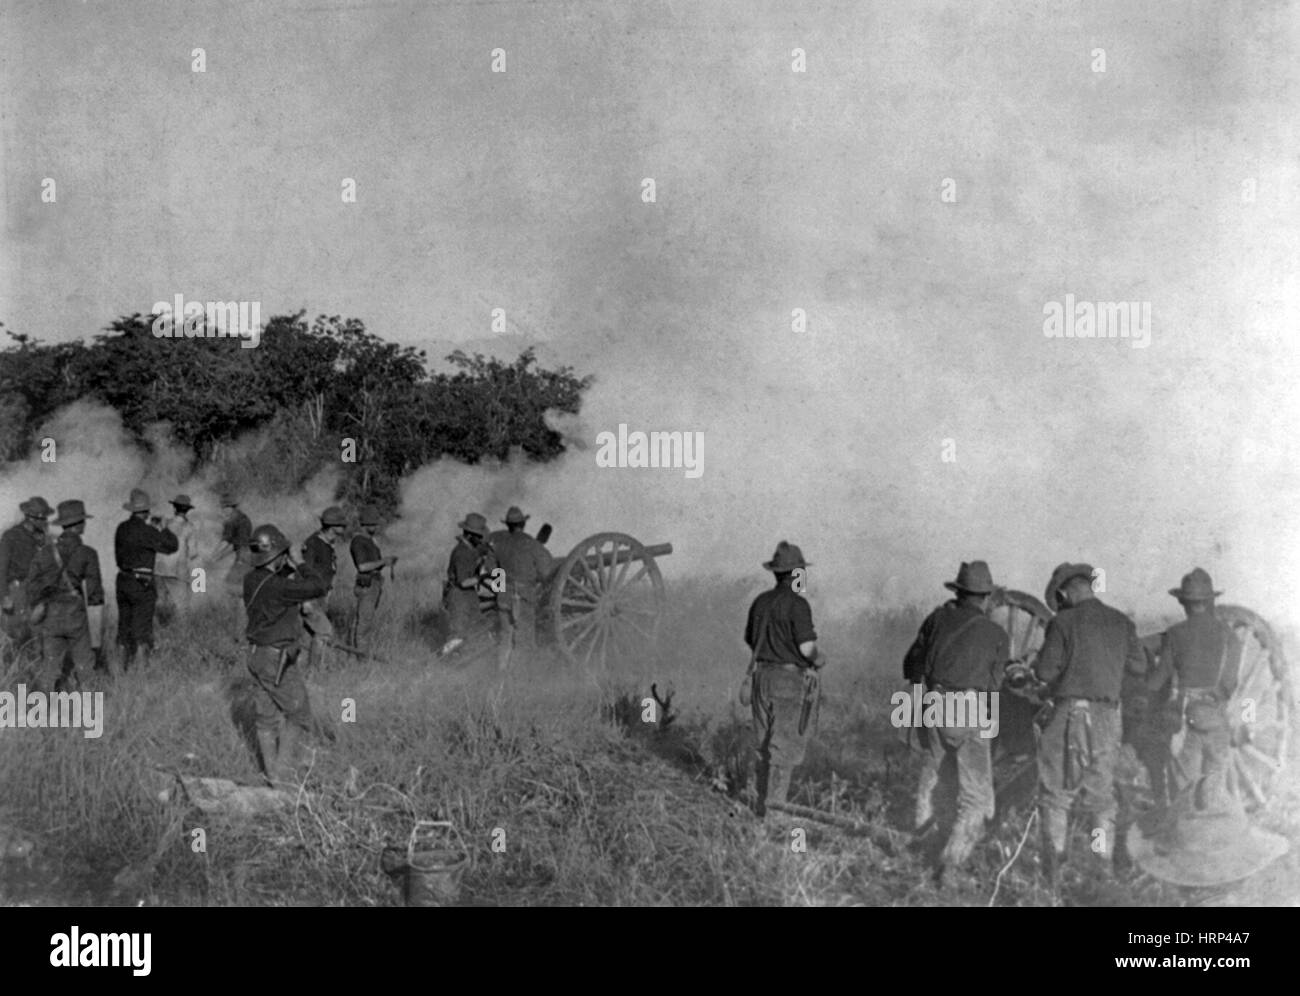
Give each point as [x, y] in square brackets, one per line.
[598, 608]
[1260, 712]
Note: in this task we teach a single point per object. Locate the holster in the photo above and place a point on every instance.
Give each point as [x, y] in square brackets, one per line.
[811, 693]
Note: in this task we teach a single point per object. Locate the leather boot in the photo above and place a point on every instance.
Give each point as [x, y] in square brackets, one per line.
[778, 783]
[924, 800]
[965, 835]
[267, 745]
[1055, 826]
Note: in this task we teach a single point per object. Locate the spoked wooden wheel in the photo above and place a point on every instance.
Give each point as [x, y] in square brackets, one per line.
[1260, 710]
[606, 601]
[1025, 620]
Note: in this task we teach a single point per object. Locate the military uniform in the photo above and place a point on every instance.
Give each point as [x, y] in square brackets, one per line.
[959, 649]
[172, 570]
[369, 587]
[1086, 650]
[135, 545]
[526, 565]
[319, 554]
[237, 531]
[471, 560]
[783, 682]
[18, 547]
[1203, 654]
[272, 601]
[64, 577]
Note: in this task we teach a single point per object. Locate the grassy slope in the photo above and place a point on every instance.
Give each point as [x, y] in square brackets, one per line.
[596, 806]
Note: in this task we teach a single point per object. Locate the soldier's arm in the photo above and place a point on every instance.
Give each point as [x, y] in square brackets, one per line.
[1051, 659]
[164, 540]
[5, 554]
[306, 584]
[1001, 655]
[1231, 667]
[914, 659]
[1159, 676]
[804, 633]
[40, 580]
[93, 581]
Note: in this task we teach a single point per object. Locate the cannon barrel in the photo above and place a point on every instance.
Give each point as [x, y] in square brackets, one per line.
[604, 560]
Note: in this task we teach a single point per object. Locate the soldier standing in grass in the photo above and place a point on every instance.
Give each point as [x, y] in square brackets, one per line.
[64, 581]
[173, 569]
[274, 592]
[782, 689]
[370, 564]
[959, 649]
[18, 546]
[1086, 650]
[319, 553]
[1201, 656]
[236, 534]
[137, 542]
[471, 560]
[526, 565]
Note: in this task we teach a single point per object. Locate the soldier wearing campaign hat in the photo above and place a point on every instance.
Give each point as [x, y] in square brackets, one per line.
[1198, 666]
[525, 565]
[67, 594]
[173, 570]
[18, 546]
[472, 560]
[138, 540]
[369, 587]
[319, 551]
[959, 649]
[781, 685]
[1087, 648]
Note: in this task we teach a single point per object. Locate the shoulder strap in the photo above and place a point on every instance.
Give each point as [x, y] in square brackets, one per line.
[938, 652]
[257, 591]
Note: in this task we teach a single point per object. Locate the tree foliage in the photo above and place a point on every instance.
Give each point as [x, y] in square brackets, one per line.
[309, 386]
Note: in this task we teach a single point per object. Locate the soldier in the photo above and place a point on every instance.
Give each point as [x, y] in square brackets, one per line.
[64, 579]
[173, 569]
[959, 648]
[471, 561]
[370, 564]
[1201, 655]
[274, 592]
[18, 546]
[319, 553]
[526, 564]
[139, 539]
[783, 676]
[236, 534]
[1086, 650]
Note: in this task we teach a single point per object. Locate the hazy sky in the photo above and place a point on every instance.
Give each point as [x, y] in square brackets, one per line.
[776, 190]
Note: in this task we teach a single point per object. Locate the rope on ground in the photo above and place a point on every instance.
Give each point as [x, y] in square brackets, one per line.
[997, 882]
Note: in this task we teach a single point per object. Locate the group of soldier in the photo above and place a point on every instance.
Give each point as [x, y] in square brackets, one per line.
[1089, 651]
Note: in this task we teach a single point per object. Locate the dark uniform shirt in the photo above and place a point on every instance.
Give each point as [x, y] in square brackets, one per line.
[366, 551]
[60, 587]
[1204, 652]
[17, 547]
[780, 620]
[136, 543]
[272, 601]
[238, 532]
[469, 561]
[1086, 651]
[524, 560]
[959, 647]
[319, 553]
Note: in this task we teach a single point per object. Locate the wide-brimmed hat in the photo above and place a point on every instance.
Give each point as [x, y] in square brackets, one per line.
[36, 507]
[786, 558]
[71, 512]
[370, 516]
[1060, 576]
[333, 516]
[1194, 848]
[182, 501]
[515, 516]
[139, 501]
[974, 578]
[1196, 587]
[474, 523]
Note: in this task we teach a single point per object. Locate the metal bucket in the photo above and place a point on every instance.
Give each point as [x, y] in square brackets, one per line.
[429, 868]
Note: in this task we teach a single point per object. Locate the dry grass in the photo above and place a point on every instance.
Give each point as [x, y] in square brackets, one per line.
[597, 807]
